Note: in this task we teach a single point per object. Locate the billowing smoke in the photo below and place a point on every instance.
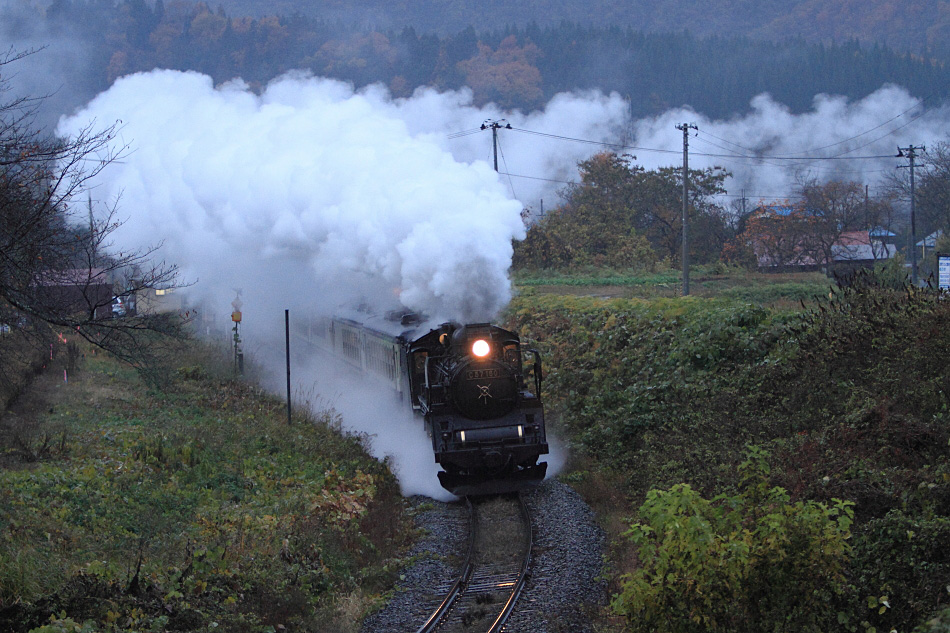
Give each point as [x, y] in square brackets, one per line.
[838, 139]
[306, 195]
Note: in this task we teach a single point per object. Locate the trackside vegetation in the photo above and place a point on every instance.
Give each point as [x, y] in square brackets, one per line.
[198, 508]
[761, 467]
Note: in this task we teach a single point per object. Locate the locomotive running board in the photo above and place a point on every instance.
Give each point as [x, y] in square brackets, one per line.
[475, 485]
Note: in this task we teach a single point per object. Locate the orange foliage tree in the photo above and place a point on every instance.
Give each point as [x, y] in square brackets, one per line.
[507, 76]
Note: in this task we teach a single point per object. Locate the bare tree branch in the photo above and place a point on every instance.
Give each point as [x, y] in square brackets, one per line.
[58, 263]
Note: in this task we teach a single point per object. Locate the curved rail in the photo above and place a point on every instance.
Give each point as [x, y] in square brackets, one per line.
[523, 576]
[471, 587]
[459, 585]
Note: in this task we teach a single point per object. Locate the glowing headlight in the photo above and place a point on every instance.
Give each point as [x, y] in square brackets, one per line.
[481, 348]
[462, 435]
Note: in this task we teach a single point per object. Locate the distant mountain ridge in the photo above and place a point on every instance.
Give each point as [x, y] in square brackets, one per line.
[918, 26]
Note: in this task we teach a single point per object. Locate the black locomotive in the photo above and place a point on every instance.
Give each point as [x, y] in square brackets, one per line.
[476, 388]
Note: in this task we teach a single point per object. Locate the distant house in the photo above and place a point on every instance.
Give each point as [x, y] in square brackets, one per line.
[883, 235]
[929, 242]
[857, 249]
[158, 300]
[852, 250]
[85, 290]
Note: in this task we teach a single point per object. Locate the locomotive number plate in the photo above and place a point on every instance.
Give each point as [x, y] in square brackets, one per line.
[482, 374]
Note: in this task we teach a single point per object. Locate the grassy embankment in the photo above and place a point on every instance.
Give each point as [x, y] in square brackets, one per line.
[813, 445]
[780, 290]
[123, 509]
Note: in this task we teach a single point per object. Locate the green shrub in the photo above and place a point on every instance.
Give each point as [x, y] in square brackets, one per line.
[905, 558]
[753, 561]
[65, 625]
[938, 624]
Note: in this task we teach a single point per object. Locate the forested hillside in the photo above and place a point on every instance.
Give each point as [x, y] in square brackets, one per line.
[912, 25]
[519, 67]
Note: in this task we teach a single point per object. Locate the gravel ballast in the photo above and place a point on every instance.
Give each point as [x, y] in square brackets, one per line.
[564, 587]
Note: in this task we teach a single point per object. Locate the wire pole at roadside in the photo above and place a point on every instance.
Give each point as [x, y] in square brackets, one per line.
[686, 127]
[911, 154]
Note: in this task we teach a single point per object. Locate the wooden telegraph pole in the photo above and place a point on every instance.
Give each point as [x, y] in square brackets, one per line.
[686, 127]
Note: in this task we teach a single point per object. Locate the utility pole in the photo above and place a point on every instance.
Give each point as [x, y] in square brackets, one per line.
[494, 125]
[911, 154]
[686, 127]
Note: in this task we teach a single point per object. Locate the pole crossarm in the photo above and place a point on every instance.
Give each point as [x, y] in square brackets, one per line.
[494, 126]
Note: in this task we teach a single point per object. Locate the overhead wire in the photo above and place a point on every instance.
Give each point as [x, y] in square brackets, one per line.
[752, 155]
[563, 182]
[462, 133]
[590, 142]
[505, 163]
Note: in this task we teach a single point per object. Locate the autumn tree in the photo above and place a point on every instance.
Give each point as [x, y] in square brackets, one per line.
[651, 202]
[618, 209]
[933, 189]
[829, 222]
[829, 212]
[507, 76]
[49, 237]
[771, 235]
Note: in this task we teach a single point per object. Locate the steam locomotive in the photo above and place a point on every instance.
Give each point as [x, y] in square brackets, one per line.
[474, 385]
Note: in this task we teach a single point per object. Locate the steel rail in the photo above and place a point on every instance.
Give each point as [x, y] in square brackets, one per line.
[458, 587]
[523, 576]
[469, 583]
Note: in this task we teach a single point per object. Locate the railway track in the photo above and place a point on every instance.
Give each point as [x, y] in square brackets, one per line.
[494, 572]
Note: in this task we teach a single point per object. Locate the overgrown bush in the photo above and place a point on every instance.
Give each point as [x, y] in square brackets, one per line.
[619, 369]
[906, 559]
[753, 561]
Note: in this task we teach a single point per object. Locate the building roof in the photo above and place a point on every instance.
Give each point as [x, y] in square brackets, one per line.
[73, 277]
[931, 240]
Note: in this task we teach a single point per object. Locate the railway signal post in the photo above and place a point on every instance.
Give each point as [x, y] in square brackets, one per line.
[236, 318]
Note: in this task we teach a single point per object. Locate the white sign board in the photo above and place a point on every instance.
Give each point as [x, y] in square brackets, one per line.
[943, 271]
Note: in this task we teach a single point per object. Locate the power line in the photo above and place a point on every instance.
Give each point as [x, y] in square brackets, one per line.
[753, 156]
[590, 142]
[510, 183]
[455, 135]
[803, 160]
[563, 182]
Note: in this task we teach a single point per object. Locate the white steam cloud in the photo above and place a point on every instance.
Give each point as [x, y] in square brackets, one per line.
[307, 190]
[838, 139]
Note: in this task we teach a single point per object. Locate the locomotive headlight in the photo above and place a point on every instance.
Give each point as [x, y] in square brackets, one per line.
[520, 431]
[462, 435]
[481, 348]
